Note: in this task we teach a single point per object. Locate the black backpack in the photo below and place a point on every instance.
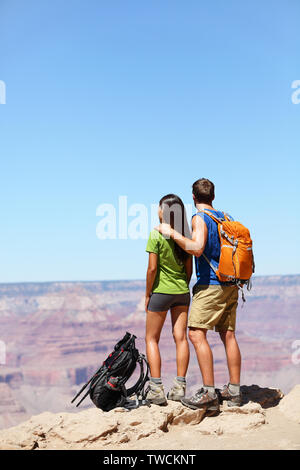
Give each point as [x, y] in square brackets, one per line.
[107, 386]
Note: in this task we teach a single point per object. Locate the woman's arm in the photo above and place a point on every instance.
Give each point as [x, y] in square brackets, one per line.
[189, 268]
[151, 273]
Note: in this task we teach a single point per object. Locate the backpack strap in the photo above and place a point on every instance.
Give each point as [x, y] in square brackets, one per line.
[139, 387]
[227, 217]
[210, 264]
[218, 220]
[143, 378]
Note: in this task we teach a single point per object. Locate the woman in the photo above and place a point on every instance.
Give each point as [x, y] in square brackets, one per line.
[167, 287]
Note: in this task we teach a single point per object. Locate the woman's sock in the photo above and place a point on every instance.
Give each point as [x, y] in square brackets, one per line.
[234, 389]
[211, 390]
[156, 381]
[180, 379]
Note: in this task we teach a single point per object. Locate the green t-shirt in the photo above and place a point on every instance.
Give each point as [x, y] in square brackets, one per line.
[171, 275]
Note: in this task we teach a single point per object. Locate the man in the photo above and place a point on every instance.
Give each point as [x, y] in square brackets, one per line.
[214, 303]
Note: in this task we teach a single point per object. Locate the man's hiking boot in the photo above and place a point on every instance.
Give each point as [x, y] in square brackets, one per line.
[155, 394]
[202, 400]
[232, 400]
[177, 391]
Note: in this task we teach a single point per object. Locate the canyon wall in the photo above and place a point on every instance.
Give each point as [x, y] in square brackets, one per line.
[57, 334]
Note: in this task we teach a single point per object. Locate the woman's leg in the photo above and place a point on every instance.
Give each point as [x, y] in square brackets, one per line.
[179, 327]
[154, 324]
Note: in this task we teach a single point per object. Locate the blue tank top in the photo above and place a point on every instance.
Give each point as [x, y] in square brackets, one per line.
[205, 274]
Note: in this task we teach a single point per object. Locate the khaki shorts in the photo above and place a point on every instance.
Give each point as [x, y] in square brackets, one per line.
[214, 307]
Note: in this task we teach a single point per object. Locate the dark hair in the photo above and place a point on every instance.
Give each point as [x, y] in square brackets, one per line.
[204, 191]
[173, 213]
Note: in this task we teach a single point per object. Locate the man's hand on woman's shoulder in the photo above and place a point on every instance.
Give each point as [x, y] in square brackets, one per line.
[164, 229]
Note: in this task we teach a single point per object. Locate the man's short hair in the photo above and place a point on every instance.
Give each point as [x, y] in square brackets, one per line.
[204, 191]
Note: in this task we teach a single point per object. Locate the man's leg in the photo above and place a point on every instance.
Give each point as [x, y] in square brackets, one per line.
[205, 312]
[233, 355]
[232, 392]
[206, 397]
[204, 354]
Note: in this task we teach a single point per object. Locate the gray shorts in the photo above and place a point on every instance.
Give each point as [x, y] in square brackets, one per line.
[162, 302]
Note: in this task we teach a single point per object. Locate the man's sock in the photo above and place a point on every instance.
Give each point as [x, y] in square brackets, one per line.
[234, 389]
[156, 381]
[180, 379]
[210, 390]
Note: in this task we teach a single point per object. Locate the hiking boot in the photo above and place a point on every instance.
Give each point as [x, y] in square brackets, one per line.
[177, 392]
[232, 400]
[202, 400]
[155, 394]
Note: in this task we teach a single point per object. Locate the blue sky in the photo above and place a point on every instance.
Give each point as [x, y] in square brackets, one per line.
[141, 99]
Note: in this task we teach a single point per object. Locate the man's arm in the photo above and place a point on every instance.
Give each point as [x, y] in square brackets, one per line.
[150, 278]
[194, 246]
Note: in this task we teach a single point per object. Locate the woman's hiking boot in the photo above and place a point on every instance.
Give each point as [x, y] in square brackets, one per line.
[177, 391]
[202, 400]
[155, 394]
[232, 400]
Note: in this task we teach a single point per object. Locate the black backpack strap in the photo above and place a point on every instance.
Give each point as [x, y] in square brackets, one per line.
[143, 378]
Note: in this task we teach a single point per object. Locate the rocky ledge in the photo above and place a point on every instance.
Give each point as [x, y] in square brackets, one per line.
[119, 428]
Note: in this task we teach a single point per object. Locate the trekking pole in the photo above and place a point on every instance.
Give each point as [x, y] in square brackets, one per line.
[81, 390]
[84, 397]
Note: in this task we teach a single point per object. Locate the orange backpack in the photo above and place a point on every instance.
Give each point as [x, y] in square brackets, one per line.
[236, 263]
